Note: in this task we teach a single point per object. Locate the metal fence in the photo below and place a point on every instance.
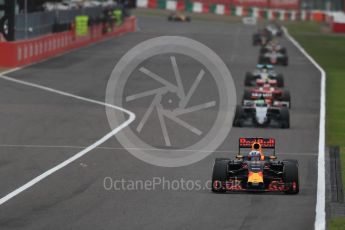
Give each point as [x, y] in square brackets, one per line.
[40, 23]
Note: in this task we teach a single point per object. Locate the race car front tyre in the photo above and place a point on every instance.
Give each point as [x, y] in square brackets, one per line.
[219, 175]
[256, 39]
[285, 118]
[290, 178]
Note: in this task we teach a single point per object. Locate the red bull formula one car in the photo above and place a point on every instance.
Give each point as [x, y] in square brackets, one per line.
[255, 170]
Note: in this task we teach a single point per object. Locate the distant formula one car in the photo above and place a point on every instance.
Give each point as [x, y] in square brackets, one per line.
[258, 113]
[179, 17]
[272, 96]
[264, 74]
[273, 46]
[262, 37]
[275, 29]
[273, 58]
[255, 171]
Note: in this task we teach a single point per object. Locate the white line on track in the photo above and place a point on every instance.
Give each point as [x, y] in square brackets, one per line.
[320, 217]
[79, 154]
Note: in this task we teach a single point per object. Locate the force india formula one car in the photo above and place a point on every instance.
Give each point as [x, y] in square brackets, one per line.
[264, 74]
[272, 96]
[255, 171]
[273, 58]
[178, 17]
[260, 114]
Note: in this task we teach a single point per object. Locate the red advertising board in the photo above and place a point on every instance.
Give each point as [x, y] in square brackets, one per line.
[235, 2]
[14, 54]
[277, 4]
[224, 2]
[284, 4]
[258, 3]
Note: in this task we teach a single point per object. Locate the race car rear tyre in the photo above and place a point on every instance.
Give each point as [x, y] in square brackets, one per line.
[255, 39]
[219, 175]
[285, 118]
[290, 177]
[238, 119]
[283, 50]
[249, 79]
[263, 50]
[285, 61]
[280, 80]
[262, 60]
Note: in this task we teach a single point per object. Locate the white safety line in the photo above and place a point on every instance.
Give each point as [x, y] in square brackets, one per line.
[79, 154]
[320, 216]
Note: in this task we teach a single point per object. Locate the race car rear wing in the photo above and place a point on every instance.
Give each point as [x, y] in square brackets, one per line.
[265, 143]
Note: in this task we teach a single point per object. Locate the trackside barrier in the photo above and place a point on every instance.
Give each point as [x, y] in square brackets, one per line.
[19, 53]
[337, 21]
[236, 8]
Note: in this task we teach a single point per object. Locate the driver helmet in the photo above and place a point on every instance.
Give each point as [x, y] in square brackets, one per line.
[260, 102]
[254, 155]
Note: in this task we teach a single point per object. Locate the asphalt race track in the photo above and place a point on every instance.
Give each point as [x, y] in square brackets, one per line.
[40, 129]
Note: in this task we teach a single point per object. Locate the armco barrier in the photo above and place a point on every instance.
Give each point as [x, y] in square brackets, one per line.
[14, 54]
